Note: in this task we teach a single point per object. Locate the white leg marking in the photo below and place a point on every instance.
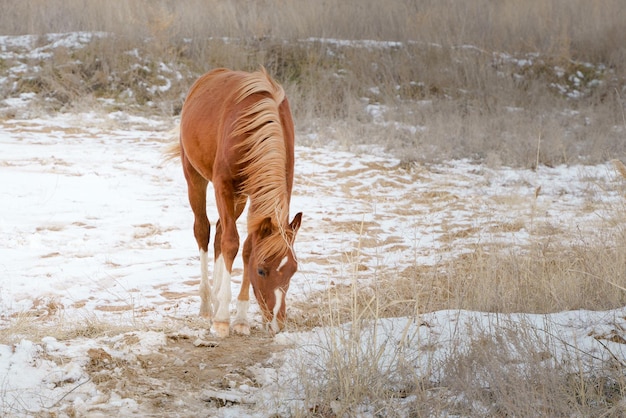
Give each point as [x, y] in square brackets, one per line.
[224, 296]
[218, 272]
[279, 301]
[241, 326]
[282, 263]
[205, 288]
[242, 311]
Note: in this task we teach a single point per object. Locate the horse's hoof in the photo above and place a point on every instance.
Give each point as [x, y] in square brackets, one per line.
[221, 329]
[241, 329]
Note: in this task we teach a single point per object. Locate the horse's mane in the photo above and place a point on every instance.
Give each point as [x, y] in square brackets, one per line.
[263, 161]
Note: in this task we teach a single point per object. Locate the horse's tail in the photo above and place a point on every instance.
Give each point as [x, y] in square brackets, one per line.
[172, 150]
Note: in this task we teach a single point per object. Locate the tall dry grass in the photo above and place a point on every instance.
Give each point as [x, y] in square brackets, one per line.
[481, 77]
[507, 366]
[577, 29]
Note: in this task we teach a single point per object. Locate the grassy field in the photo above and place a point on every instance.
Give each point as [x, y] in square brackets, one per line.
[506, 82]
[502, 83]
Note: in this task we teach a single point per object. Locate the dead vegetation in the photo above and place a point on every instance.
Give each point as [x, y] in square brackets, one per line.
[514, 83]
[508, 367]
[508, 83]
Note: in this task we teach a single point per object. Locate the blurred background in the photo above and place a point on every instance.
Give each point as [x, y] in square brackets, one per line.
[506, 82]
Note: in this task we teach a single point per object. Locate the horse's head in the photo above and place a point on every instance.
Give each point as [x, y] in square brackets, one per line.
[270, 271]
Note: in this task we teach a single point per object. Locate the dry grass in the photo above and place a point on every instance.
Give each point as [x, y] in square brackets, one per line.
[507, 367]
[482, 79]
[578, 29]
[477, 77]
[553, 274]
[35, 328]
[514, 370]
[547, 277]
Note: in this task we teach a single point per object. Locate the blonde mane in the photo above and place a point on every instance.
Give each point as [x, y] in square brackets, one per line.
[263, 161]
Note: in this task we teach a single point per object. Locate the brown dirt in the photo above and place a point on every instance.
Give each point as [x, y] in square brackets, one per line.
[184, 377]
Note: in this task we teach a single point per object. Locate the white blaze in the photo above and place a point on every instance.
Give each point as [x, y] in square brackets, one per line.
[282, 263]
[279, 301]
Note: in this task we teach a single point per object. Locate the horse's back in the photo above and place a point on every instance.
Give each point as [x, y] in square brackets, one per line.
[214, 106]
[212, 90]
[202, 117]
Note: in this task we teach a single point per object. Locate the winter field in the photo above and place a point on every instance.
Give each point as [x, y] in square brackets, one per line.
[100, 275]
[441, 272]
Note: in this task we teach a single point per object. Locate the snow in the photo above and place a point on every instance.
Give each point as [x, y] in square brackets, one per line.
[94, 226]
[92, 223]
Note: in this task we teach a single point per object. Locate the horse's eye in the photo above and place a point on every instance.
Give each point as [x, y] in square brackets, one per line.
[261, 272]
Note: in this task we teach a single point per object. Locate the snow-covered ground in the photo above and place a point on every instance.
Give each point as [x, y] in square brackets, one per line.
[99, 268]
[95, 228]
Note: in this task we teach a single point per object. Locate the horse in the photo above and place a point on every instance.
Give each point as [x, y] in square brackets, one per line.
[237, 132]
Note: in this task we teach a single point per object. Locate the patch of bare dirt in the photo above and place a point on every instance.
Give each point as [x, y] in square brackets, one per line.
[186, 377]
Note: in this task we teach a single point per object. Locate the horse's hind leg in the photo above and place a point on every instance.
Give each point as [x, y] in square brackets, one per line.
[196, 190]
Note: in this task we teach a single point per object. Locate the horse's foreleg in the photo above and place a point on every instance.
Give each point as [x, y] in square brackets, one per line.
[226, 247]
[241, 325]
[222, 276]
[221, 279]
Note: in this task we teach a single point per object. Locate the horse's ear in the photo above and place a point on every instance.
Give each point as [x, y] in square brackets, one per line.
[295, 224]
[265, 229]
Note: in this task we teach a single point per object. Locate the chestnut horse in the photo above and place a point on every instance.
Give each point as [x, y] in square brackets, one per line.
[237, 132]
